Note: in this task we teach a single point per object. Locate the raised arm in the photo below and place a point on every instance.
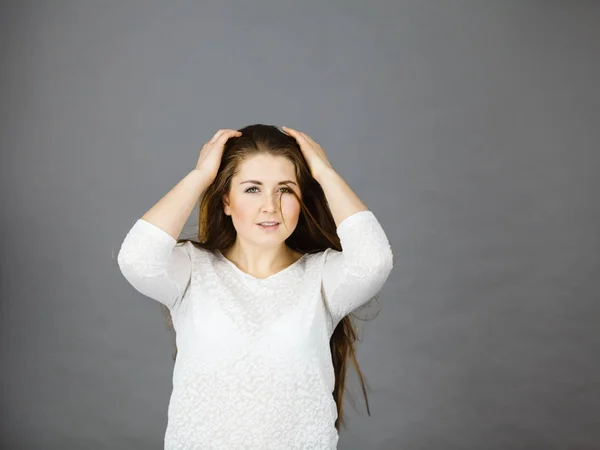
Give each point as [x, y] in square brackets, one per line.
[357, 273]
[354, 275]
[149, 257]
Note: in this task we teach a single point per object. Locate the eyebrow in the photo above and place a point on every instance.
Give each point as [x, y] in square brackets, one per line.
[260, 182]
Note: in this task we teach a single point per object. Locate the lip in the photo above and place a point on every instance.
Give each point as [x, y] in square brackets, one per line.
[272, 227]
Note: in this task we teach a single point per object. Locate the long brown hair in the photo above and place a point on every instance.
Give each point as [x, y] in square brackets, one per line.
[314, 232]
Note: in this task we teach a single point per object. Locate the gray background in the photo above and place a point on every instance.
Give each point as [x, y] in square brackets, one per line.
[471, 130]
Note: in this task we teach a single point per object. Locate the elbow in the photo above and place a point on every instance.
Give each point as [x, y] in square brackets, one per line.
[129, 262]
[376, 265]
[133, 270]
[126, 265]
[385, 263]
[123, 258]
[388, 258]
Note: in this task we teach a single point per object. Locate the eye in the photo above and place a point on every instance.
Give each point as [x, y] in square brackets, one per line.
[285, 189]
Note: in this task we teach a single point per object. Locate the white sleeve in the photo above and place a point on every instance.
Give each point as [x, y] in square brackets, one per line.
[154, 265]
[357, 273]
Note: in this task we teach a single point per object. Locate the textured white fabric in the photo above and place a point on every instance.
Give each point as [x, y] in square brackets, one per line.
[254, 369]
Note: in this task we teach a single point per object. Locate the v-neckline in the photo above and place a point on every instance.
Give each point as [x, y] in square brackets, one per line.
[252, 277]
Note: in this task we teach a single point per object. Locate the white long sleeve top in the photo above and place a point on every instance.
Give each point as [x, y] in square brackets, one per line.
[254, 368]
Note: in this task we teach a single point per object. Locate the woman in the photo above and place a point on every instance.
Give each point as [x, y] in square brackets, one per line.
[260, 304]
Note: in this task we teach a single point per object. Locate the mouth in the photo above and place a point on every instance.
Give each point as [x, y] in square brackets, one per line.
[269, 225]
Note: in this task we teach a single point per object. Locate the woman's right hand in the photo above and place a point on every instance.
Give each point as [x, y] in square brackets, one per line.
[211, 153]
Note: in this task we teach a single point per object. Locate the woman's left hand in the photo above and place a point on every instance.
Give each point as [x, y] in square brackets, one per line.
[313, 153]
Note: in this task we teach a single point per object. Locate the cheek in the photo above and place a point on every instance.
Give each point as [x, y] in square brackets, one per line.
[290, 207]
[242, 212]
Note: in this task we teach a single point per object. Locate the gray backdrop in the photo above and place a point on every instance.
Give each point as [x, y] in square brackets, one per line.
[471, 130]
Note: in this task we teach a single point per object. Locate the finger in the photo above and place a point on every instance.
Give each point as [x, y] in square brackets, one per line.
[296, 134]
[302, 135]
[216, 136]
[230, 133]
[289, 130]
[227, 133]
[307, 137]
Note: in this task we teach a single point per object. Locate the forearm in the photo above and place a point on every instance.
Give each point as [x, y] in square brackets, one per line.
[171, 212]
[343, 202]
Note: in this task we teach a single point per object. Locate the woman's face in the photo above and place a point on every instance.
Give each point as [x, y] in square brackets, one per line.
[254, 197]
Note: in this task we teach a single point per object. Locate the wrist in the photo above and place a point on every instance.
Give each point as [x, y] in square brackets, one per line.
[203, 173]
[325, 172]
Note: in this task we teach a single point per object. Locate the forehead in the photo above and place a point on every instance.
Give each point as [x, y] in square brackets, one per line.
[266, 167]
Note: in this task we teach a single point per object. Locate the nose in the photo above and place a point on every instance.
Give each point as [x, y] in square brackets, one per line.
[271, 203]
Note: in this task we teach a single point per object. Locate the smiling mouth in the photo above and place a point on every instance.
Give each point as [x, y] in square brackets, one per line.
[268, 225]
